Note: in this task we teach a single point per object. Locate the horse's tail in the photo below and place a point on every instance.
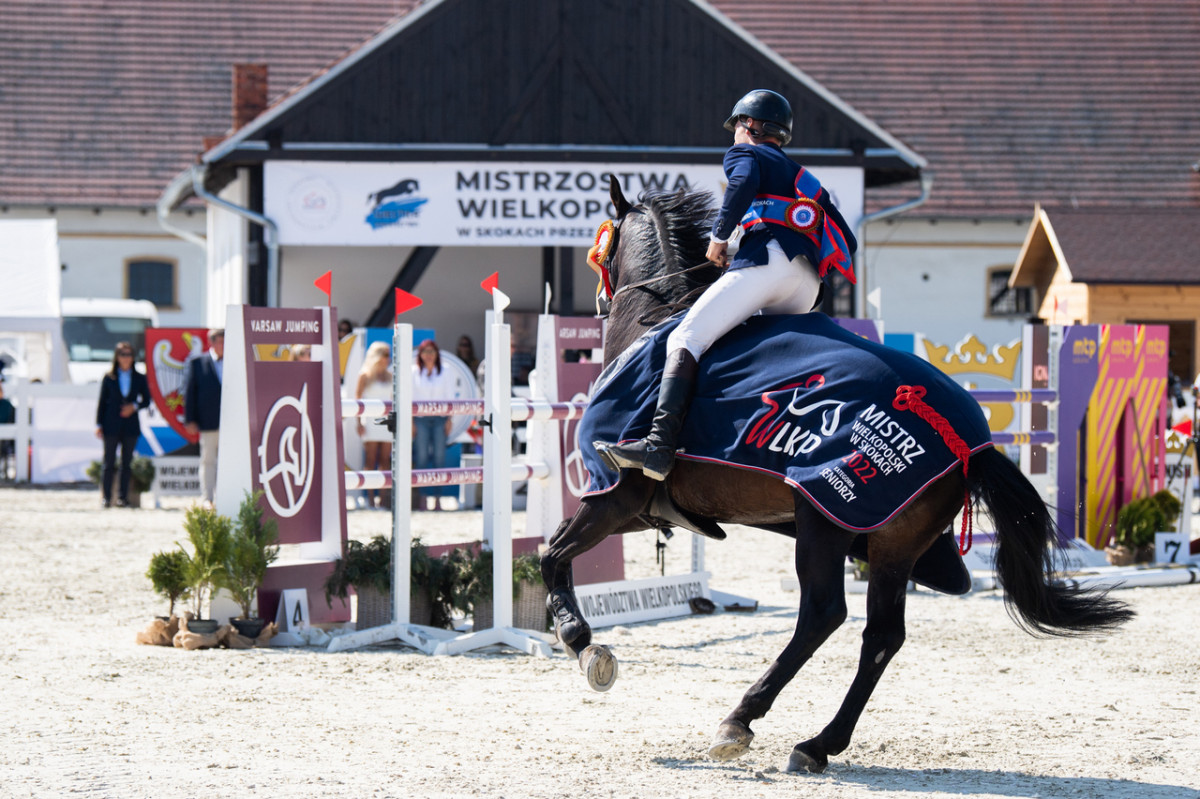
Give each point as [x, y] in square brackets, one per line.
[1026, 550]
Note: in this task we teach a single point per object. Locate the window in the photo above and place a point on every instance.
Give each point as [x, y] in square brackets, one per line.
[1003, 301]
[151, 279]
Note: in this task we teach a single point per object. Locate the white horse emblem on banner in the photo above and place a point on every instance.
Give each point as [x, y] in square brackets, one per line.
[293, 468]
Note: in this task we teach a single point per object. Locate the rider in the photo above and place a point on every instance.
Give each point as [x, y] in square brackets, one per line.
[793, 236]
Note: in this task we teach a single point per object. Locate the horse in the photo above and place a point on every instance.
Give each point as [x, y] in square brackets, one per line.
[655, 264]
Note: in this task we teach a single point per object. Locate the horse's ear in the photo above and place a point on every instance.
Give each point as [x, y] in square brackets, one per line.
[618, 198]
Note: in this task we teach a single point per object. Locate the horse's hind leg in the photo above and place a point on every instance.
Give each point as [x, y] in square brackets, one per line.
[821, 549]
[892, 551]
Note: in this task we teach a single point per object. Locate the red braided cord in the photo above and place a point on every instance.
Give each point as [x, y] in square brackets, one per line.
[909, 398]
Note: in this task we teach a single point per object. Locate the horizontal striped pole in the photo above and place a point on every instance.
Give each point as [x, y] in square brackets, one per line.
[1014, 395]
[522, 410]
[470, 475]
[1038, 437]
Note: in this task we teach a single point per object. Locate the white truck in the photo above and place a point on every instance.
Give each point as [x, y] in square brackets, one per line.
[92, 327]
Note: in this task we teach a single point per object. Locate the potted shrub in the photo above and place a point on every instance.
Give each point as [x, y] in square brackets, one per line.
[209, 534]
[141, 478]
[368, 569]
[253, 546]
[1137, 522]
[168, 573]
[474, 589]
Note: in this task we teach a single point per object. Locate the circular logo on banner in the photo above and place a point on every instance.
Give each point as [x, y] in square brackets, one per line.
[286, 473]
[804, 215]
[314, 202]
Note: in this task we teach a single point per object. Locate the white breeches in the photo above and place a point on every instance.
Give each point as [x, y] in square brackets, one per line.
[779, 286]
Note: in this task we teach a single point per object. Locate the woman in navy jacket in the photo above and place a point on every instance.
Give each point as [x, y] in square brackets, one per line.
[123, 392]
[793, 239]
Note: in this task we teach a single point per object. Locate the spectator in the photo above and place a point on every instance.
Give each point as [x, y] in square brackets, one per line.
[375, 382]
[8, 415]
[202, 408]
[431, 382]
[123, 392]
[345, 328]
[302, 352]
[466, 353]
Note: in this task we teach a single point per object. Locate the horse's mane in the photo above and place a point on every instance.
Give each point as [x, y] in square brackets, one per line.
[683, 220]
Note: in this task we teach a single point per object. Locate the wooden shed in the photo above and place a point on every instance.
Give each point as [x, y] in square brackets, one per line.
[1114, 266]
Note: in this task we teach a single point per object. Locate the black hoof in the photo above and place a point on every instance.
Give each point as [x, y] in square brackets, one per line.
[569, 625]
[805, 758]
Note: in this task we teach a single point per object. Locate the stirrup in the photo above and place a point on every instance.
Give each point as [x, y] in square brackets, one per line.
[654, 461]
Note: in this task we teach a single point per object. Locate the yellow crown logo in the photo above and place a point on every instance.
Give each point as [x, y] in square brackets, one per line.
[971, 356]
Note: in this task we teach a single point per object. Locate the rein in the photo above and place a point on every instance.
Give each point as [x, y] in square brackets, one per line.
[672, 307]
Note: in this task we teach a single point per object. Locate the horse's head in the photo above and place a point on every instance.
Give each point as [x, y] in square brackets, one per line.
[651, 260]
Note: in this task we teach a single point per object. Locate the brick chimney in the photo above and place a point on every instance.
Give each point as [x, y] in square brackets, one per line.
[249, 92]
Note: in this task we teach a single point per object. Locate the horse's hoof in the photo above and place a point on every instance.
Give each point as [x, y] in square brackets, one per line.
[733, 739]
[569, 626]
[801, 760]
[600, 667]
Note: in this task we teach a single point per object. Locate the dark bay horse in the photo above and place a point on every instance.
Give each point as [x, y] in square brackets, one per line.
[661, 240]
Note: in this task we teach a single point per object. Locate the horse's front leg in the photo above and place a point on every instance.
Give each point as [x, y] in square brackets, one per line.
[597, 518]
[821, 549]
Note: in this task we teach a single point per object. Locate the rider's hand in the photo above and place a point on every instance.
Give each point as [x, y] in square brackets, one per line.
[717, 253]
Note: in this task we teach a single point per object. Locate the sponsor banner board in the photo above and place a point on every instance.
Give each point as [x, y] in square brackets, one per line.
[489, 204]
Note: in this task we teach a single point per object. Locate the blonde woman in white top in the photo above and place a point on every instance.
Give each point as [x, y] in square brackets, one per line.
[431, 382]
[375, 382]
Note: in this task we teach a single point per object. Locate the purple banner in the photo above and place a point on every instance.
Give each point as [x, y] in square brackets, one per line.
[286, 421]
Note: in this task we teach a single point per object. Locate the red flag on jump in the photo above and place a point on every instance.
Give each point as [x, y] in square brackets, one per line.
[405, 302]
[325, 284]
[491, 282]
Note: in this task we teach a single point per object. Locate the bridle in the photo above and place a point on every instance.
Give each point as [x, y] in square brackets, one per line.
[600, 259]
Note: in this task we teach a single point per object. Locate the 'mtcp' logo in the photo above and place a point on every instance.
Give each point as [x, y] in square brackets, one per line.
[1156, 348]
[1084, 348]
[286, 474]
[1122, 347]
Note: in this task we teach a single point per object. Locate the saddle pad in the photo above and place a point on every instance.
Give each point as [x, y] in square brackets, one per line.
[800, 398]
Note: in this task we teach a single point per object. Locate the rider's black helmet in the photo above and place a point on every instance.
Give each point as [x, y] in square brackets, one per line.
[768, 107]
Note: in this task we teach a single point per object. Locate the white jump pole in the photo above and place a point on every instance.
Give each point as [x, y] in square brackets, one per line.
[497, 497]
[402, 397]
[426, 639]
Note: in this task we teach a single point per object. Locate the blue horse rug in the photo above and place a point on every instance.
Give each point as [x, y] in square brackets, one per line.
[803, 399]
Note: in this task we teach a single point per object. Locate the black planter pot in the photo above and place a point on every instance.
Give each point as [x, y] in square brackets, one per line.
[203, 626]
[251, 628]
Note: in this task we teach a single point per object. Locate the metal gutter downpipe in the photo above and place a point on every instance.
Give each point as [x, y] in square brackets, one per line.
[171, 197]
[270, 230]
[863, 289]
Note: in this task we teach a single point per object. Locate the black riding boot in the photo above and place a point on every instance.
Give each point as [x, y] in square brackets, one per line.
[655, 454]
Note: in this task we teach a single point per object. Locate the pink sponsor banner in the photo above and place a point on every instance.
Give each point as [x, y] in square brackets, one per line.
[286, 420]
[1122, 352]
[579, 336]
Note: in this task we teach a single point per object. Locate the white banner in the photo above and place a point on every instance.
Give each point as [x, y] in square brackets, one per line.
[628, 601]
[480, 204]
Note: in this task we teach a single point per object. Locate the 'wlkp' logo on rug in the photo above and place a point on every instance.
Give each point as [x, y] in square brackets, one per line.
[394, 205]
[790, 429]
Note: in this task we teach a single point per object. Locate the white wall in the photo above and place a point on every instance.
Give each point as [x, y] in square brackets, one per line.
[94, 247]
[933, 277]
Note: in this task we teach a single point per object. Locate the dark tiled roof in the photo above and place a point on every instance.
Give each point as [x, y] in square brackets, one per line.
[1012, 102]
[1129, 246]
